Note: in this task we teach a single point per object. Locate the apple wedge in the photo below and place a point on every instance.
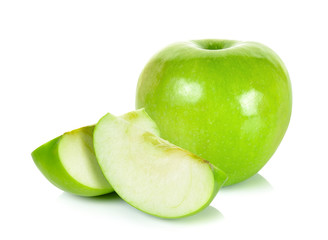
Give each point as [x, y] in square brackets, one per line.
[152, 174]
[69, 161]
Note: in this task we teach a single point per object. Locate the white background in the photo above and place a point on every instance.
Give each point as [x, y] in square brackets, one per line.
[64, 64]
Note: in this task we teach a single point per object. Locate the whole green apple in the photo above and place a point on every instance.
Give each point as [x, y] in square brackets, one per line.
[227, 101]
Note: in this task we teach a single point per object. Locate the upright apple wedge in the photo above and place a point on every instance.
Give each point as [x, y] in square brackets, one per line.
[69, 161]
[152, 174]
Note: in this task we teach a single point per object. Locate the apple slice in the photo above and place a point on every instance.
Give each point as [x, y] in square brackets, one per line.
[69, 161]
[152, 174]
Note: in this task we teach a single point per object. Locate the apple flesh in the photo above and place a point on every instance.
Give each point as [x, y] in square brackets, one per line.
[229, 102]
[69, 161]
[152, 174]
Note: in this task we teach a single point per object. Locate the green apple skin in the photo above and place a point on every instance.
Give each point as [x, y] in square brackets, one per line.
[227, 101]
[47, 159]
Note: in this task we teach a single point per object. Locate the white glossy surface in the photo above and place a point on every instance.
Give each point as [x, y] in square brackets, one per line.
[64, 64]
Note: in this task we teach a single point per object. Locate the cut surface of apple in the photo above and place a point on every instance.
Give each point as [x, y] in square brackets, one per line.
[76, 153]
[152, 174]
[69, 161]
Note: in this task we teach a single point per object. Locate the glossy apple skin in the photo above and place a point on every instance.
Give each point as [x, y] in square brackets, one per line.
[227, 101]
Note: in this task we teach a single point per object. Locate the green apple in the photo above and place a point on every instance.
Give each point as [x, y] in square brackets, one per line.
[227, 101]
[152, 174]
[69, 161]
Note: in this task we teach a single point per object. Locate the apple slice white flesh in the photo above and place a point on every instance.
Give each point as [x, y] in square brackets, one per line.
[152, 174]
[69, 161]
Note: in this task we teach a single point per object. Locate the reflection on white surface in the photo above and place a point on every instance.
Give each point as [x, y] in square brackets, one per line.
[111, 206]
[249, 102]
[206, 216]
[190, 91]
[256, 183]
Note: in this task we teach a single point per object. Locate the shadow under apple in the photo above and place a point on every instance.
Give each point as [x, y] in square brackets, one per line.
[113, 206]
[256, 183]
